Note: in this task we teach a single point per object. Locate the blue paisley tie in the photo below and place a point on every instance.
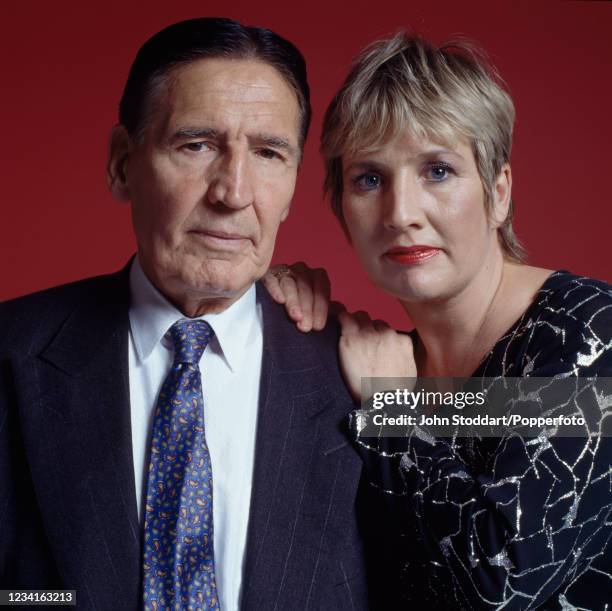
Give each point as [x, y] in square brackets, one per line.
[179, 566]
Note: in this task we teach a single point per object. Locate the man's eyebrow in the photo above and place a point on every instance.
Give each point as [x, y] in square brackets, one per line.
[261, 139]
[273, 141]
[194, 132]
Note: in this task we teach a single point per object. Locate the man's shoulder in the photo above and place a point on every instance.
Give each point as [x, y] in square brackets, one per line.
[35, 317]
[284, 336]
[293, 350]
[308, 363]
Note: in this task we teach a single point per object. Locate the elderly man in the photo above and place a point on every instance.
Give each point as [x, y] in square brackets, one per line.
[167, 438]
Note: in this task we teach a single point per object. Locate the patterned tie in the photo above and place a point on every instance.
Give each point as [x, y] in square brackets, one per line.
[179, 566]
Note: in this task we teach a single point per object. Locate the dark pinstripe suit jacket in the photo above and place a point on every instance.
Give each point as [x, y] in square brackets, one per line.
[68, 513]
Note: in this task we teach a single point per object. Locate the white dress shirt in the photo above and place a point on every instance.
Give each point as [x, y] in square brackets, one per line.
[230, 369]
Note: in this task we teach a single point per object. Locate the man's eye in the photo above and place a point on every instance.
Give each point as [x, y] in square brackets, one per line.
[438, 172]
[196, 147]
[367, 181]
[268, 154]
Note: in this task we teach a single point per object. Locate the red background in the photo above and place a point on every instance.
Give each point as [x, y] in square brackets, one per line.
[65, 65]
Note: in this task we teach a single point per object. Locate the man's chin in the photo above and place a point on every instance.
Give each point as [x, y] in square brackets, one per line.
[217, 285]
[190, 283]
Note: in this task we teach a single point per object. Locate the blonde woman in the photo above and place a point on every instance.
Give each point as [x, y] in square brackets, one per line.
[416, 147]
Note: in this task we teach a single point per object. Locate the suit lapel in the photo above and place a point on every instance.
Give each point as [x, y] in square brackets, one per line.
[299, 447]
[75, 414]
[74, 409]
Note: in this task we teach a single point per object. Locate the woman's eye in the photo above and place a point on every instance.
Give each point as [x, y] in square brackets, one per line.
[438, 172]
[367, 181]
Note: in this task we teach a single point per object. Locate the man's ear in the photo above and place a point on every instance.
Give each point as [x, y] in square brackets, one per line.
[120, 146]
[502, 193]
[285, 212]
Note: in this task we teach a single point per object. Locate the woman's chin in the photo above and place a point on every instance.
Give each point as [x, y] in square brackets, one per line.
[417, 288]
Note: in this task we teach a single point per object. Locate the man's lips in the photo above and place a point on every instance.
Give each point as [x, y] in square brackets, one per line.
[224, 235]
[411, 255]
[220, 239]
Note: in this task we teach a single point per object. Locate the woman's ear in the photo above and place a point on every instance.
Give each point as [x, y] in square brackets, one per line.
[502, 193]
[119, 148]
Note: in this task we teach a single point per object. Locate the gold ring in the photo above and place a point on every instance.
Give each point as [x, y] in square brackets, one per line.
[282, 271]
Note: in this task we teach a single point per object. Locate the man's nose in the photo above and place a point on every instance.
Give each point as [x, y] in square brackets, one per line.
[231, 183]
[403, 206]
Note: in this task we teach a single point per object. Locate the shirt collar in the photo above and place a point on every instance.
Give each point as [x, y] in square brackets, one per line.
[151, 315]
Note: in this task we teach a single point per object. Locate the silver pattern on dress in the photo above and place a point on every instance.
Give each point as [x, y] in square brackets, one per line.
[514, 523]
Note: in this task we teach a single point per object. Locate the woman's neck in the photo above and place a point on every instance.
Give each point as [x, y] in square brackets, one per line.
[455, 334]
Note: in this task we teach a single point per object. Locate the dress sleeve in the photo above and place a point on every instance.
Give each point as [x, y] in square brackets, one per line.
[521, 530]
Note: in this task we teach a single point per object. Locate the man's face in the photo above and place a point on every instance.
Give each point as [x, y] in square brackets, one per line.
[213, 178]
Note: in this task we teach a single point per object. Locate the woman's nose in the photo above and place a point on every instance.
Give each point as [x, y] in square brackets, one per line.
[404, 203]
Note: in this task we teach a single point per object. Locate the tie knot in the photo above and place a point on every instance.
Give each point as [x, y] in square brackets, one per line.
[190, 338]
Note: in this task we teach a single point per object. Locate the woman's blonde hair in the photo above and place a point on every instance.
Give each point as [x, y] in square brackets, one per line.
[405, 83]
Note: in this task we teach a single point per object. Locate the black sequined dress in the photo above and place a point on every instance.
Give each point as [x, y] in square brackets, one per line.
[512, 523]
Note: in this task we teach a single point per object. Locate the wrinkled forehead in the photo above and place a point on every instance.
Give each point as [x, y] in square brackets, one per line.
[227, 91]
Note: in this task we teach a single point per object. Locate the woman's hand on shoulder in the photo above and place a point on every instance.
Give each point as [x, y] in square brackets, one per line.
[304, 291]
[372, 349]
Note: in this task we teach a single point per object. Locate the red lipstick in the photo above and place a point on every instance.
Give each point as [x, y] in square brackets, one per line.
[411, 255]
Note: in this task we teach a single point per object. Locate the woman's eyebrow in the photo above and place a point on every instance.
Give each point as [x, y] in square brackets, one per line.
[365, 165]
[440, 151]
[376, 164]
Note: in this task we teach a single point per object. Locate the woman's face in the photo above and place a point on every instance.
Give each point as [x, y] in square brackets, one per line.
[415, 213]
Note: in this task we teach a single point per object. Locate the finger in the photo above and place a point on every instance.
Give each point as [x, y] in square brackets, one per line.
[270, 281]
[292, 300]
[322, 291]
[306, 299]
[363, 320]
[348, 323]
[300, 269]
[380, 325]
[407, 342]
